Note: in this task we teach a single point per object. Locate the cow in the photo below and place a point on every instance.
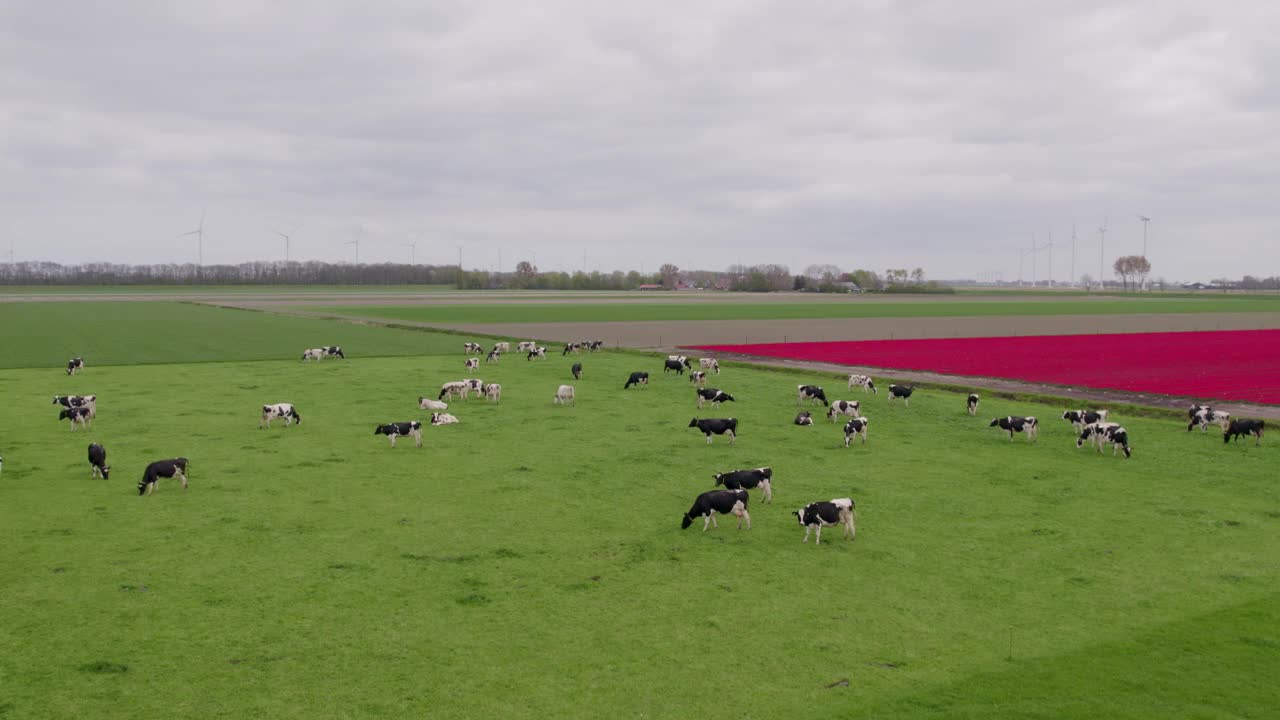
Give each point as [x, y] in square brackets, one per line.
[717, 426]
[804, 418]
[843, 407]
[577, 371]
[1, 464]
[316, 354]
[1195, 410]
[426, 403]
[471, 348]
[162, 469]
[856, 426]
[724, 502]
[501, 347]
[748, 480]
[334, 351]
[713, 396]
[75, 364]
[1016, 424]
[98, 462]
[676, 365]
[1209, 416]
[698, 378]
[574, 348]
[75, 401]
[815, 516]
[1095, 434]
[81, 416]
[812, 393]
[865, 382]
[411, 429]
[682, 359]
[565, 396]
[459, 388]
[710, 364]
[901, 391]
[472, 364]
[279, 410]
[1243, 428]
[1119, 439]
[537, 352]
[494, 356]
[637, 378]
[1080, 418]
[443, 419]
[492, 391]
[595, 345]
[526, 346]
[973, 404]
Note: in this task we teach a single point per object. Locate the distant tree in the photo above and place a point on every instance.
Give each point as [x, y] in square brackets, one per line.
[1086, 280]
[917, 276]
[1141, 267]
[1123, 269]
[1131, 266]
[800, 282]
[868, 280]
[670, 275]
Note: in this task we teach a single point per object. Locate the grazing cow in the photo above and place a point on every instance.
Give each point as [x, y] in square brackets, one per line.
[98, 462]
[865, 382]
[574, 348]
[1080, 418]
[698, 377]
[492, 391]
[81, 416]
[316, 354]
[494, 356]
[1243, 428]
[277, 411]
[804, 418]
[443, 419]
[1119, 439]
[1, 464]
[1016, 424]
[501, 347]
[1195, 410]
[815, 516]
[538, 352]
[472, 364]
[162, 469]
[843, 407]
[577, 371]
[637, 378]
[717, 426]
[724, 502]
[810, 392]
[856, 426]
[1209, 416]
[471, 348]
[595, 345]
[566, 396]
[411, 429]
[709, 364]
[901, 391]
[713, 396]
[682, 359]
[973, 403]
[1095, 434]
[72, 401]
[74, 364]
[526, 346]
[676, 365]
[748, 480]
[459, 388]
[334, 351]
[426, 403]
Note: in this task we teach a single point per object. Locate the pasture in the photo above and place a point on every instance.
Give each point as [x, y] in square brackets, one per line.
[528, 562]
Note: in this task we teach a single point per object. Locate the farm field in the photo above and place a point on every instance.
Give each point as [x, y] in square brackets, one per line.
[528, 562]
[162, 290]
[1242, 365]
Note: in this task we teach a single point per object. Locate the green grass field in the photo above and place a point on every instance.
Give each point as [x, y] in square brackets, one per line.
[528, 562]
[854, 308]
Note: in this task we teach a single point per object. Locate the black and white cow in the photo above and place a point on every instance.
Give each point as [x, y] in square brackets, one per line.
[501, 347]
[75, 401]
[471, 348]
[682, 359]
[1016, 424]
[472, 364]
[717, 426]
[495, 355]
[98, 462]
[812, 393]
[1080, 418]
[75, 364]
[426, 403]
[710, 364]
[412, 429]
[748, 480]
[901, 391]
[1208, 416]
[724, 502]
[277, 411]
[162, 469]
[565, 395]
[577, 371]
[856, 426]
[526, 346]
[81, 416]
[865, 382]
[676, 365]
[1095, 434]
[537, 352]
[843, 407]
[492, 391]
[572, 347]
[698, 377]
[815, 516]
[1243, 428]
[334, 351]
[595, 345]
[459, 388]
[973, 404]
[713, 396]
[637, 378]
[316, 354]
[804, 418]
[443, 419]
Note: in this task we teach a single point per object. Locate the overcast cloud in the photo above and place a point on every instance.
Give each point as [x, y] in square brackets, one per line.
[865, 134]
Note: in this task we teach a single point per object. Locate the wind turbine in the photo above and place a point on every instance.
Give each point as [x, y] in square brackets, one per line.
[413, 252]
[1072, 279]
[1102, 253]
[1145, 222]
[199, 233]
[287, 237]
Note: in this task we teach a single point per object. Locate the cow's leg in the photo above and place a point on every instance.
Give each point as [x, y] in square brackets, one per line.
[745, 516]
[184, 479]
[708, 438]
[417, 438]
[733, 437]
[817, 535]
[392, 438]
[806, 534]
[706, 521]
[768, 491]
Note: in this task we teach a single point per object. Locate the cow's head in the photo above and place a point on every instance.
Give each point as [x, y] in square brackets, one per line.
[142, 487]
[995, 422]
[106, 472]
[693, 422]
[380, 430]
[719, 477]
[800, 515]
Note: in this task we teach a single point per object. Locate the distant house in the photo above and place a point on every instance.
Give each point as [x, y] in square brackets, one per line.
[849, 287]
[651, 287]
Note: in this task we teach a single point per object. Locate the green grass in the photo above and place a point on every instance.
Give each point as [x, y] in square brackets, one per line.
[529, 562]
[125, 333]
[854, 308]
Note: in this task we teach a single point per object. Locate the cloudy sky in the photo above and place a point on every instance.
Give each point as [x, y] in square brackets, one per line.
[860, 133]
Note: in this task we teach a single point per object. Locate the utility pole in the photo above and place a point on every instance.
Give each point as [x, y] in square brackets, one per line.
[1145, 222]
[1072, 279]
[1050, 258]
[413, 252]
[1102, 254]
[1033, 261]
[459, 267]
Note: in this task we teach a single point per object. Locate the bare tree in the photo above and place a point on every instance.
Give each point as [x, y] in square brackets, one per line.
[670, 275]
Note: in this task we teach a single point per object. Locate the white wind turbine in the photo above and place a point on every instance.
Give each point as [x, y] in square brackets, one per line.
[199, 233]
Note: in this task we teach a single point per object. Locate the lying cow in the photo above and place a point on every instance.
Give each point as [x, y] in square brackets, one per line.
[724, 502]
[425, 403]
[98, 462]
[81, 416]
[813, 393]
[277, 411]
[162, 469]
[698, 378]
[748, 480]
[856, 426]
[411, 429]
[843, 407]
[864, 381]
[1080, 418]
[1016, 424]
[75, 364]
[637, 378]
[1244, 428]
[710, 364]
[443, 419]
[973, 404]
[566, 396]
[717, 426]
[901, 391]
[804, 418]
[815, 516]
[713, 396]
